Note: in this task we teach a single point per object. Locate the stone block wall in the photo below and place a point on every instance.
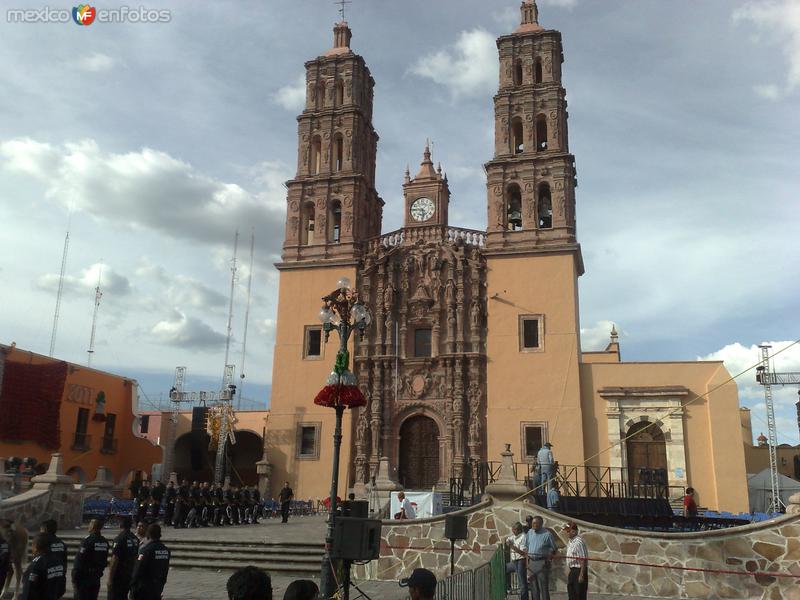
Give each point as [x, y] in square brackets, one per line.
[659, 562]
[61, 502]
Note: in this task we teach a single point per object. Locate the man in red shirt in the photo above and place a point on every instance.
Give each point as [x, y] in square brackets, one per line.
[689, 505]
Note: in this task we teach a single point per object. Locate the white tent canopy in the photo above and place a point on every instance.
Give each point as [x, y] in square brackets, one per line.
[759, 488]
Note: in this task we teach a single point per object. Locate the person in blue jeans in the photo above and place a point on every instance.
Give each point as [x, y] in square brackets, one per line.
[541, 549]
[516, 543]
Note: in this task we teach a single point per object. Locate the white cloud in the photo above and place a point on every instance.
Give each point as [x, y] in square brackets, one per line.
[779, 22]
[112, 284]
[741, 359]
[187, 333]
[266, 327]
[769, 91]
[181, 290]
[598, 336]
[152, 190]
[293, 96]
[95, 63]
[468, 67]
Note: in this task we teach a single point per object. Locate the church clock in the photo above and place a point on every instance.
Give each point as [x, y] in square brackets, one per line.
[422, 209]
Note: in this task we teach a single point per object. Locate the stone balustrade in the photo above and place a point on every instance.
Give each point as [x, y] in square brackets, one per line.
[431, 233]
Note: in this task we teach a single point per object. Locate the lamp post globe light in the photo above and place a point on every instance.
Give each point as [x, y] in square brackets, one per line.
[343, 312]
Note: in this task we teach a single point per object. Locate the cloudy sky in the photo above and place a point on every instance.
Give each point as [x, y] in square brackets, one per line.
[153, 143]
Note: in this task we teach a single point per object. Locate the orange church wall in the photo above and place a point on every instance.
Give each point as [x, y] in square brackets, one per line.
[533, 386]
[82, 385]
[715, 462]
[295, 383]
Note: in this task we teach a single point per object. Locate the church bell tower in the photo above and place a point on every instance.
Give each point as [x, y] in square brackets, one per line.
[533, 260]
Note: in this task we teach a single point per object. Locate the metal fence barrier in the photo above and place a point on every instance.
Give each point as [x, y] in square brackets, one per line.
[486, 582]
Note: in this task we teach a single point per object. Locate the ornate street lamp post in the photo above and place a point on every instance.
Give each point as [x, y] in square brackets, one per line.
[343, 312]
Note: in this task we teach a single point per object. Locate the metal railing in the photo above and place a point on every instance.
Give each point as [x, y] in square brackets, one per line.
[485, 582]
[109, 445]
[81, 441]
[583, 481]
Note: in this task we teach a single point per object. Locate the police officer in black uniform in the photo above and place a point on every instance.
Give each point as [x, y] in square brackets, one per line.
[230, 508]
[142, 501]
[181, 505]
[206, 502]
[169, 503]
[152, 567]
[90, 562]
[219, 505]
[247, 504]
[256, 495]
[34, 580]
[157, 495]
[124, 551]
[57, 555]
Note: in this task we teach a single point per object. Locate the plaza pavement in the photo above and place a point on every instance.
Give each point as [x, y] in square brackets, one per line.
[205, 584]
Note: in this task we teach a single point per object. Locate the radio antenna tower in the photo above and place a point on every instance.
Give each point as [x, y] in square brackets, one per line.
[234, 268]
[59, 294]
[97, 295]
[246, 317]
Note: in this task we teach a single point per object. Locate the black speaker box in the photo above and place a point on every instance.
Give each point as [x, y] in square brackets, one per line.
[356, 539]
[199, 417]
[358, 509]
[455, 527]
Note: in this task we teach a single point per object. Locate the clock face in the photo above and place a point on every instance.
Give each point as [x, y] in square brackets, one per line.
[422, 209]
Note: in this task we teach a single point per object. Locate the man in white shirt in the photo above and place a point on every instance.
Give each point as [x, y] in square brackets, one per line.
[544, 465]
[577, 563]
[406, 508]
[518, 564]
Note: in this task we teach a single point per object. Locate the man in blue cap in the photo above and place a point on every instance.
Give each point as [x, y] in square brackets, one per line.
[421, 585]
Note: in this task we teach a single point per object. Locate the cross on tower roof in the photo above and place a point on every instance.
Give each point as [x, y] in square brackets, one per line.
[342, 4]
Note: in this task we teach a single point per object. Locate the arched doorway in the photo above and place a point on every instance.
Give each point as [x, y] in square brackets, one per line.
[646, 451]
[195, 461]
[419, 453]
[243, 456]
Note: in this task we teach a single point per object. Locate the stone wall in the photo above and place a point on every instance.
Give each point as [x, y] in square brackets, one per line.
[768, 547]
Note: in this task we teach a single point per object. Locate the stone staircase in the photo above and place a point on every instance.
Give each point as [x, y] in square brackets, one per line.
[295, 559]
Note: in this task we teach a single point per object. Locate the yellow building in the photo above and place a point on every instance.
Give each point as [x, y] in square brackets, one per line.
[475, 340]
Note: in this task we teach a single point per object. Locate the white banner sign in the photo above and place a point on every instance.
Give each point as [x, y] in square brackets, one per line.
[426, 504]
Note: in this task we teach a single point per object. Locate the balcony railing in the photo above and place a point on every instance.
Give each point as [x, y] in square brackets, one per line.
[430, 233]
[109, 445]
[81, 441]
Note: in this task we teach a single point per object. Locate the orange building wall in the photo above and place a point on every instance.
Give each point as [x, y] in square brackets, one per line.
[80, 390]
[715, 462]
[534, 386]
[295, 383]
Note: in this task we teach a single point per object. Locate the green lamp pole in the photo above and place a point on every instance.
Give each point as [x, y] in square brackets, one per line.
[343, 312]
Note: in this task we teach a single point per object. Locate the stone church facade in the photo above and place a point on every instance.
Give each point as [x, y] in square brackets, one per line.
[475, 339]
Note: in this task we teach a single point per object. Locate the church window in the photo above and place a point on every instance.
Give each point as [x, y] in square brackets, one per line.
[308, 440]
[518, 72]
[537, 71]
[307, 233]
[320, 97]
[514, 207]
[316, 155]
[516, 135]
[545, 207]
[541, 133]
[530, 333]
[422, 342]
[312, 342]
[339, 92]
[335, 222]
[534, 435]
[338, 152]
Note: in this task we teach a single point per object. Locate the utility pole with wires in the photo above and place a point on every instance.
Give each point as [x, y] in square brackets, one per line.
[767, 378]
[97, 295]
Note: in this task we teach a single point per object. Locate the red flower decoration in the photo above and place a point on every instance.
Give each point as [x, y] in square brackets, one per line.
[340, 395]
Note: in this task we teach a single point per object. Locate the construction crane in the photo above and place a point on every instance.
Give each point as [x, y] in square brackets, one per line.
[234, 269]
[246, 317]
[97, 295]
[177, 396]
[59, 294]
[767, 378]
